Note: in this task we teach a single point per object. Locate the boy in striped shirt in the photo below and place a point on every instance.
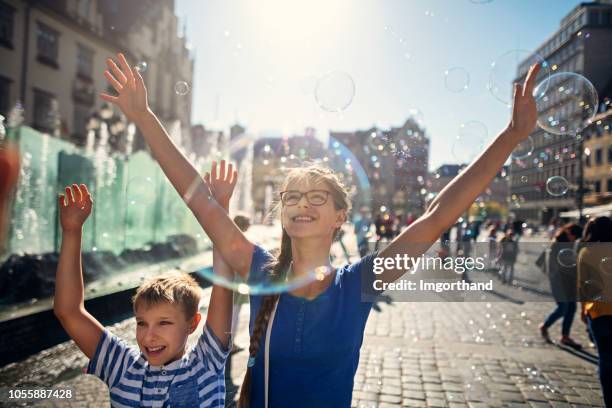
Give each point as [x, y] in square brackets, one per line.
[161, 371]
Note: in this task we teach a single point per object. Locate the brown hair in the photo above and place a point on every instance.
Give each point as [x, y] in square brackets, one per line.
[175, 288]
[279, 267]
[598, 229]
[242, 221]
[563, 233]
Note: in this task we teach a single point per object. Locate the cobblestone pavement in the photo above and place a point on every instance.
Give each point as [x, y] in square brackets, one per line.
[415, 354]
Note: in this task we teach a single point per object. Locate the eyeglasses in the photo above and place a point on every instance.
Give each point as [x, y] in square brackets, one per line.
[314, 197]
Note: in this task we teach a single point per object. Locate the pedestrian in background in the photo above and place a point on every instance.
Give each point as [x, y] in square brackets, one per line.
[507, 253]
[492, 240]
[9, 171]
[362, 224]
[561, 268]
[595, 291]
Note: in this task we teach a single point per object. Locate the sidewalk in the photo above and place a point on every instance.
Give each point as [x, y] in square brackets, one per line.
[417, 354]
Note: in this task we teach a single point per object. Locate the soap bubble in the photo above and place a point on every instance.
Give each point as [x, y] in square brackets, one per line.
[470, 141]
[504, 72]
[557, 186]
[141, 66]
[566, 103]
[140, 190]
[567, 257]
[334, 91]
[181, 88]
[591, 290]
[606, 266]
[524, 149]
[266, 284]
[456, 79]
[344, 164]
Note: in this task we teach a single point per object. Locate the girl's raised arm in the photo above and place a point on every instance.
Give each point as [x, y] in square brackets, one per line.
[235, 248]
[461, 192]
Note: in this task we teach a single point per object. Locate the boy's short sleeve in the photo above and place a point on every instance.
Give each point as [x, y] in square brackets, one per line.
[211, 350]
[113, 356]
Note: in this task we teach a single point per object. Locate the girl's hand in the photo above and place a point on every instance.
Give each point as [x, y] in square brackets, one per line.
[524, 113]
[132, 93]
[222, 183]
[75, 207]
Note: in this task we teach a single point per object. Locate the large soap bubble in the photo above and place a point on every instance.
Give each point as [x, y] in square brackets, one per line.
[566, 103]
[504, 72]
[280, 155]
[334, 91]
[470, 141]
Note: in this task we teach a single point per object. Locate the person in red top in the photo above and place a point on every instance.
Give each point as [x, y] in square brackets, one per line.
[9, 170]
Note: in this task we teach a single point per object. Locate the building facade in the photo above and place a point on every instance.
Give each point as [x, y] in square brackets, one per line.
[598, 160]
[53, 58]
[396, 162]
[495, 196]
[582, 45]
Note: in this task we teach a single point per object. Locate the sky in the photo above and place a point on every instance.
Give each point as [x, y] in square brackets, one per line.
[261, 62]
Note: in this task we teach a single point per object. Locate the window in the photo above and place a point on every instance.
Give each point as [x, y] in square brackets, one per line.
[5, 96]
[80, 119]
[84, 62]
[610, 154]
[609, 185]
[84, 8]
[597, 186]
[47, 44]
[45, 111]
[7, 13]
[598, 157]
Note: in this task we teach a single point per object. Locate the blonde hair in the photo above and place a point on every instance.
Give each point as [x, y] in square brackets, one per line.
[278, 267]
[175, 288]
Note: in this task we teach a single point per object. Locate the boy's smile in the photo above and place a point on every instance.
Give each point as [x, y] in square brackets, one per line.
[162, 330]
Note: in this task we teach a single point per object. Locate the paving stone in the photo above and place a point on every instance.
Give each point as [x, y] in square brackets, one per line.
[436, 403]
[392, 399]
[576, 400]
[413, 395]
[407, 402]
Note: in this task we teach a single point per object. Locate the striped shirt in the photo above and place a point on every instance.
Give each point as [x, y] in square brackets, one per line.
[195, 380]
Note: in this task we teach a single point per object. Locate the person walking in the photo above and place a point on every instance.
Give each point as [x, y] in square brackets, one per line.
[561, 269]
[595, 294]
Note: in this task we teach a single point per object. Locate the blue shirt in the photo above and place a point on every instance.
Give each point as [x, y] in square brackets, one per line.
[314, 346]
[195, 380]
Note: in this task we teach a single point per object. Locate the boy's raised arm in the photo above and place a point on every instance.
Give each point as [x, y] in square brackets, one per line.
[219, 317]
[68, 303]
[132, 100]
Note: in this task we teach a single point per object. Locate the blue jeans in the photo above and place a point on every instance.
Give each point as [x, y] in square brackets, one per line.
[601, 330]
[567, 310]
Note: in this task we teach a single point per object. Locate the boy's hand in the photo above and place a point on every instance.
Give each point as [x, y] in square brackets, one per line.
[222, 183]
[75, 207]
[132, 93]
[524, 113]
